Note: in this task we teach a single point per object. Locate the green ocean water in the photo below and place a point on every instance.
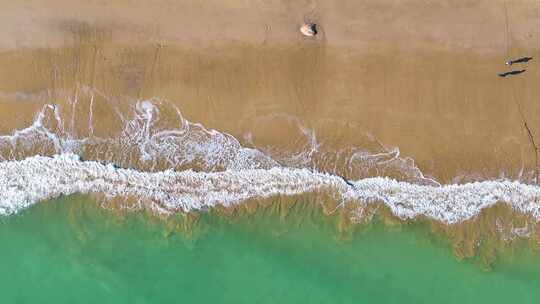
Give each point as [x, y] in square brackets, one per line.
[63, 252]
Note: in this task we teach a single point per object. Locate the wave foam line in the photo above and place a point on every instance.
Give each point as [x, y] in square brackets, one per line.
[38, 178]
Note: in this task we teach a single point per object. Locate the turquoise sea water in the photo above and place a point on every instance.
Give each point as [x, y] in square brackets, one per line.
[59, 252]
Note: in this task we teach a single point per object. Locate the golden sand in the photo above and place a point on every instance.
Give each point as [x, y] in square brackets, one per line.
[415, 75]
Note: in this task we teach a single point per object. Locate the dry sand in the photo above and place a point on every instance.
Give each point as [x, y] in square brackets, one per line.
[418, 75]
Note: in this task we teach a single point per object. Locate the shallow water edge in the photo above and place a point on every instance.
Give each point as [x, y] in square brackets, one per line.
[72, 249]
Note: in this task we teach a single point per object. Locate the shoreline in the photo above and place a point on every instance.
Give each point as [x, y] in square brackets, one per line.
[41, 178]
[152, 150]
[453, 116]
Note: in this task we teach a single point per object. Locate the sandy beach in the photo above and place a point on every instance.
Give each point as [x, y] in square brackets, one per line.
[417, 75]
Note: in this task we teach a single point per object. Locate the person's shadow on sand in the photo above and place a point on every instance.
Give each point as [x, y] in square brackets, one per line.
[511, 73]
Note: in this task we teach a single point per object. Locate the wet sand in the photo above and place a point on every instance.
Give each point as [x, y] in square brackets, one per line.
[414, 75]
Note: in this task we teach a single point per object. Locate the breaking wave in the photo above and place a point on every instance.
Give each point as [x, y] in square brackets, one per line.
[38, 178]
[163, 160]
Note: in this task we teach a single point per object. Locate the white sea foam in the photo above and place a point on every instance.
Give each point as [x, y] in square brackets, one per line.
[305, 149]
[153, 135]
[158, 151]
[37, 178]
[144, 142]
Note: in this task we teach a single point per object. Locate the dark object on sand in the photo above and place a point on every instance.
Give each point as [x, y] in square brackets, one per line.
[519, 60]
[511, 73]
[347, 181]
[309, 29]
